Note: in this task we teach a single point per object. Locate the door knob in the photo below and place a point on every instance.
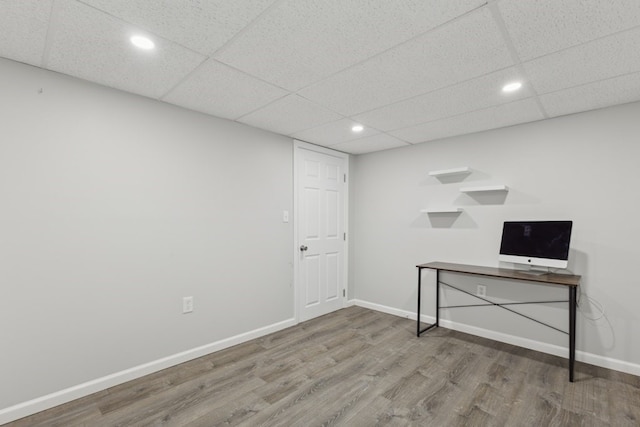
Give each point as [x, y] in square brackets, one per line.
[303, 248]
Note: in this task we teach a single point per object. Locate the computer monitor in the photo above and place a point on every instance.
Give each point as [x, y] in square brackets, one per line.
[536, 243]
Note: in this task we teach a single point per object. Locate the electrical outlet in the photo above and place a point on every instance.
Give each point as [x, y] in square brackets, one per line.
[481, 291]
[187, 305]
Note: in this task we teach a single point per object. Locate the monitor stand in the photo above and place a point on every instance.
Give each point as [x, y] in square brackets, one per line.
[535, 271]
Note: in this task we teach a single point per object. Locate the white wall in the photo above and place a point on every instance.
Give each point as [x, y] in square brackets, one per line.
[581, 167]
[114, 207]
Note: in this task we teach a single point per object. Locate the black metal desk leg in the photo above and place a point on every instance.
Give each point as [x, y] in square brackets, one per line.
[434, 325]
[572, 330]
[437, 298]
[419, 288]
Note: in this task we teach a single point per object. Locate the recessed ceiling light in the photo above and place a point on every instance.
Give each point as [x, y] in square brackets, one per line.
[511, 87]
[143, 42]
[357, 128]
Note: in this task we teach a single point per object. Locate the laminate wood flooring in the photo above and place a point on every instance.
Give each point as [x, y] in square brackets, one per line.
[358, 367]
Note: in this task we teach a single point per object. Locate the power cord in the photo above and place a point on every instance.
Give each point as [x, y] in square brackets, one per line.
[594, 303]
[591, 301]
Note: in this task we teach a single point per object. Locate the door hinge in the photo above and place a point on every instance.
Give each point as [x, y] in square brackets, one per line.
[345, 177]
[344, 293]
[344, 237]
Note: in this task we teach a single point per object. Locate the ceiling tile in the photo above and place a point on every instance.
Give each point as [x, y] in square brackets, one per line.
[313, 39]
[601, 94]
[203, 26]
[517, 112]
[417, 69]
[289, 115]
[222, 91]
[334, 133]
[369, 144]
[601, 59]
[544, 26]
[24, 25]
[468, 47]
[95, 46]
[471, 95]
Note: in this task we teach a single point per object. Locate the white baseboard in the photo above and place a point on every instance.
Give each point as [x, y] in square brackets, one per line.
[31, 407]
[581, 356]
[391, 310]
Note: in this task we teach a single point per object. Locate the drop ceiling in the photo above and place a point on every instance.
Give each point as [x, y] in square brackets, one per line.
[409, 71]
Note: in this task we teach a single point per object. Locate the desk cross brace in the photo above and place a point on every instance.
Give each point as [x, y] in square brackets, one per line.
[501, 305]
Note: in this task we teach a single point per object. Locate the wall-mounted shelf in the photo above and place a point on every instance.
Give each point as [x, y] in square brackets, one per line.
[441, 210]
[450, 172]
[486, 188]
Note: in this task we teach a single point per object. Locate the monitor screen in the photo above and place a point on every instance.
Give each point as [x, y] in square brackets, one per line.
[544, 243]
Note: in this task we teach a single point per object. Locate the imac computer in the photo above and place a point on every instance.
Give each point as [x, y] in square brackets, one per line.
[536, 243]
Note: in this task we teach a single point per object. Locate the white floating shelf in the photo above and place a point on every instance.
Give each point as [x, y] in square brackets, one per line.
[441, 210]
[485, 188]
[450, 172]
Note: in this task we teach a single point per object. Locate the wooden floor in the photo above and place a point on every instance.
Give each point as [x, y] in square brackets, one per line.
[358, 367]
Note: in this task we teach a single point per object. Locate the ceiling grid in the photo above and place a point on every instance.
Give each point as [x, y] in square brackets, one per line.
[409, 71]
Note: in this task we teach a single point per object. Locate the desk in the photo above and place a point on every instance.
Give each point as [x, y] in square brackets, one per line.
[570, 281]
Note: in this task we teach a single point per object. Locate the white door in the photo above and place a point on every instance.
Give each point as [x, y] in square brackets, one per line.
[321, 231]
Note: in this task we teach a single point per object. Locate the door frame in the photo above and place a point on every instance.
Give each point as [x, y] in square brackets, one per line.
[301, 145]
